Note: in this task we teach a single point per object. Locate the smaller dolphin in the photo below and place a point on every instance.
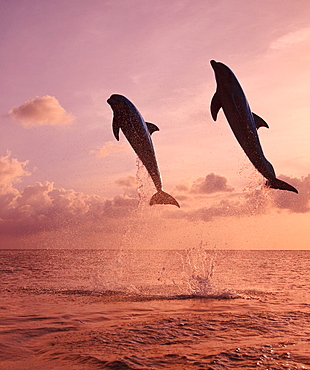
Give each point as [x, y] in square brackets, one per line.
[230, 97]
[138, 133]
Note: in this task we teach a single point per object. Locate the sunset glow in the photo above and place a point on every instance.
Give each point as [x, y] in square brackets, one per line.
[65, 182]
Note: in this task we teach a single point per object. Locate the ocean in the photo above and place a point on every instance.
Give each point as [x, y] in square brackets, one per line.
[154, 309]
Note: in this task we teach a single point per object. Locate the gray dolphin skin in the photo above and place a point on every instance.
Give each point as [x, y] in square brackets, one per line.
[138, 133]
[230, 97]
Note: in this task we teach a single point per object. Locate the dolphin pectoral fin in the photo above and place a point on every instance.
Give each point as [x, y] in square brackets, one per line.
[279, 184]
[216, 105]
[116, 126]
[163, 198]
[151, 127]
[259, 122]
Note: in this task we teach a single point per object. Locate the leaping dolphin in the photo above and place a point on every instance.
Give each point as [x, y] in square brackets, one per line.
[138, 133]
[230, 97]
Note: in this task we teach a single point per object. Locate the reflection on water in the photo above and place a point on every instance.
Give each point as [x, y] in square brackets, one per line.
[127, 309]
[193, 271]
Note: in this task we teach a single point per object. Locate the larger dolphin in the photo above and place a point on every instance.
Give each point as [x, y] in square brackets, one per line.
[138, 133]
[230, 97]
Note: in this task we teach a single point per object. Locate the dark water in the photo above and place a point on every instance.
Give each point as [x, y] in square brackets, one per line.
[194, 309]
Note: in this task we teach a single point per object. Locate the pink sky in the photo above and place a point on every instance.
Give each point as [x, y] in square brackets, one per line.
[66, 182]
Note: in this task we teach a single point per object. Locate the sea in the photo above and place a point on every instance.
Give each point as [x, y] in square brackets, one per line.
[154, 309]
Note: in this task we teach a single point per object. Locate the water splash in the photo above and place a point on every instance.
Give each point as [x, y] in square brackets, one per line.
[186, 272]
[198, 270]
[145, 185]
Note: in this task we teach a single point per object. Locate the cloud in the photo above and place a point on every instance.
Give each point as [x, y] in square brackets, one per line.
[250, 203]
[291, 39]
[182, 188]
[297, 203]
[255, 203]
[127, 182]
[11, 171]
[42, 206]
[212, 183]
[108, 149]
[41, 111]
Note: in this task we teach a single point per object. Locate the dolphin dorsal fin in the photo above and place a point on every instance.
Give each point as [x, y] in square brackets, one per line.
[116, 127]
[151, 127]
[216, 105]
[259, 122]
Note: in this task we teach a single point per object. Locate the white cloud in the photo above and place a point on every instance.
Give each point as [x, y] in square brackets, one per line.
[108, 149]
[11, 171]
[212, 183]
[127, 182]
[41, 111]
[256, 202]
[291, 39]
[291, 202]
[43, 207]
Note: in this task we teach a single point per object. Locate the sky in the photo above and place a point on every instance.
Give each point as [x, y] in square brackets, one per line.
[65, 182]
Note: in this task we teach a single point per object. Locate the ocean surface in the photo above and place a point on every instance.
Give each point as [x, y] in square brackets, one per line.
[151, 309]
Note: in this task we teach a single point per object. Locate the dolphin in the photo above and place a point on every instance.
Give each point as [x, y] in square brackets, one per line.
[138, 133]
[230, 97]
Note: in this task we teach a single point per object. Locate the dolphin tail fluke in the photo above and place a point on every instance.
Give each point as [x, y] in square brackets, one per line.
[279, 184]
[163, 198]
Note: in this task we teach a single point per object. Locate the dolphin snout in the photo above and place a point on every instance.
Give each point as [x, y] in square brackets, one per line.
[113, 99]
[213, 63]
[116, 98]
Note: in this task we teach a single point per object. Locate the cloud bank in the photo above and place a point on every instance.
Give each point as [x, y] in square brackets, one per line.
[108, 149]
[287, 200]
[250, 203]
[212, 183]
[11, 171]
[127, 182]
[41, 111]
[44, 207]
[290, 39]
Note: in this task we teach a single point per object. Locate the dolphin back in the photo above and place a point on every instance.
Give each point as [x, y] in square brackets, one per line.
[279, 184]
[162, 197]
